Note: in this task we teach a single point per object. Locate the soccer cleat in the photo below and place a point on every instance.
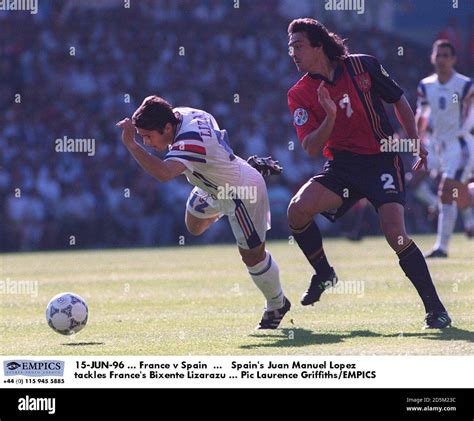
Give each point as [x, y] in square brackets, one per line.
[272, 318]
[317, 286]
[265, 166]
[436, 253]
[437, 320]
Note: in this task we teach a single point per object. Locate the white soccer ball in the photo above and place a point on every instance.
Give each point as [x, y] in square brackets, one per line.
[67, 313]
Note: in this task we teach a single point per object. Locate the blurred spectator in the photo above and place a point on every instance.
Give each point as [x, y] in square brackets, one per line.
[77, 67]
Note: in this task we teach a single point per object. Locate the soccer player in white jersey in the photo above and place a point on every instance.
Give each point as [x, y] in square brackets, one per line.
[446, 96]
[224, 184]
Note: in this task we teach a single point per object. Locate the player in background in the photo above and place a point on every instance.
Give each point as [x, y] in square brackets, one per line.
[447, 95]
[420, 181]
[337, 107]
[224, 185]
[471, 193]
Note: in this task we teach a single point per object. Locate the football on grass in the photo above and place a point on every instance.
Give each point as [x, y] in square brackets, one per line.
[67, 313]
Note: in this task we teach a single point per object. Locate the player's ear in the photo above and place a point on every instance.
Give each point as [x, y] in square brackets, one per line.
[319, 47]
[168, 128]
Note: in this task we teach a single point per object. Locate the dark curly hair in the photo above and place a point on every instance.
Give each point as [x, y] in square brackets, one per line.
[153, 114]
[317, 33]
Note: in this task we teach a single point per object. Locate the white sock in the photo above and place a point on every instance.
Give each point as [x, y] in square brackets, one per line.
[424, 194]
[266, 276]
[468, 218]
[446, 222]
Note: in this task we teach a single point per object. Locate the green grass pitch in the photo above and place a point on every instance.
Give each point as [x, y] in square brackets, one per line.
[201, 301]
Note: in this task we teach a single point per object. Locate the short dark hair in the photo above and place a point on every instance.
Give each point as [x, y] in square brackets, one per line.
[317, 33]
[153, 114]
[444, 43]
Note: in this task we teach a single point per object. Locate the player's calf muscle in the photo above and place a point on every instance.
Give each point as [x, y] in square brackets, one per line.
[393, 226]
[396, 238]
[252, 257]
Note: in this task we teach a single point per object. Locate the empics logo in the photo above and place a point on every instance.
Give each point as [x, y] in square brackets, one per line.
[13, 365]
[33, 368]
[37, 404]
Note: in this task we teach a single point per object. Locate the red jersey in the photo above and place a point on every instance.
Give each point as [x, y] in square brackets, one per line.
[360, 84]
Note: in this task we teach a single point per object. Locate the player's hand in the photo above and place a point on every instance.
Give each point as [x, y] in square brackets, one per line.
[326, 101]
[128, 131]
[422, 162]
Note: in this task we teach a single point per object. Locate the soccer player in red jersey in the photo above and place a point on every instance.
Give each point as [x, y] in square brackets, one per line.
[337, 107]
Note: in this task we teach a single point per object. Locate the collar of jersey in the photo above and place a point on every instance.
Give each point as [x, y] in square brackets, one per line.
[337, 74]
[178, 127]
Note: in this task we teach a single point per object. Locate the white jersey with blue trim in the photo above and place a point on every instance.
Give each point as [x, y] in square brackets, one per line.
[444, 103]
[201, 146]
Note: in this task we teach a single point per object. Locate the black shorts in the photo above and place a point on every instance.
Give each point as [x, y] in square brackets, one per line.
[380, 178]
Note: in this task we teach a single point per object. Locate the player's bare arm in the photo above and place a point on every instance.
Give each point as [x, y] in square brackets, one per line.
[422, 118]
[314, 142]
[156, 167]
[467, 104]
[406, 118]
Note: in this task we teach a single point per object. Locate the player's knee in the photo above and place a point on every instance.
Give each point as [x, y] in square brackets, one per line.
[297, 214]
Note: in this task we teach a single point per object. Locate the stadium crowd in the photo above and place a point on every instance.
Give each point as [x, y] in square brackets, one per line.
[75, 71]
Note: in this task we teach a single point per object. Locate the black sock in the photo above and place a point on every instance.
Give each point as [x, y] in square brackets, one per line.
[311, 243]
[414, 265]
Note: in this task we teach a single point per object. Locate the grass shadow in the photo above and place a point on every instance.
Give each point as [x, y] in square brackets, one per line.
[449, 334]
[293, 338]
[299, 337]
[452, 334]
